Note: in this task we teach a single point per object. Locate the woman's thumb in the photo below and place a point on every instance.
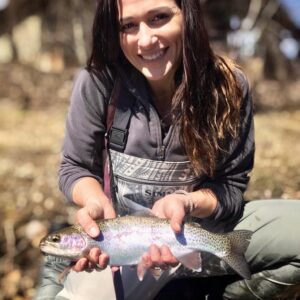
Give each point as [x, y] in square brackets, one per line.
[176, 221]
[87, 223]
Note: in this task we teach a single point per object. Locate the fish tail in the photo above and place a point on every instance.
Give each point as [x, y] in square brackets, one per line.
[239, 241]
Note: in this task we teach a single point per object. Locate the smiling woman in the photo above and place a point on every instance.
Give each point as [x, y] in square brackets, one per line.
[151, 39]
[178, 122]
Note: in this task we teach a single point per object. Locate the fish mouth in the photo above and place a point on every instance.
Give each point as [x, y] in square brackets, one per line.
[42, 245]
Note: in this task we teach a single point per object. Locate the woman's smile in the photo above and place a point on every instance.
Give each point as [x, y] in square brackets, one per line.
[154, 56]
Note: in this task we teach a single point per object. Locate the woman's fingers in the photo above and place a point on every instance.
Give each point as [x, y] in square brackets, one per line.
[167, 256]
[103, 260]
[146, 261]
[87, 223]
[81, 265]
[159, 257]
[155, 256]
[173, 208]
[176, 220]
[95, 260]
[94, 255]
[85, 217]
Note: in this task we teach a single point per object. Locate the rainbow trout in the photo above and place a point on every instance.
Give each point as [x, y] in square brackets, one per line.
[126, 239]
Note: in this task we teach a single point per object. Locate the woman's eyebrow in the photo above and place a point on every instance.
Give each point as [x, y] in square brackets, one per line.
[162, 8]
[151, 12]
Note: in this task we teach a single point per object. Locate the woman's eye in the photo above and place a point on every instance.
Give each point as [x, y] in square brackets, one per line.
[128, 27]
[160, 18]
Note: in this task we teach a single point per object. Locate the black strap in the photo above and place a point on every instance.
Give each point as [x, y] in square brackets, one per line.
[118, 132]
[118, 284]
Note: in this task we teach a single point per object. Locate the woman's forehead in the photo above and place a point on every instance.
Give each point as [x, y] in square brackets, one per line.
[128, 8]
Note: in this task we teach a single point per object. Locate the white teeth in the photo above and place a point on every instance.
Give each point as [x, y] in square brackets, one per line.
[153, 56]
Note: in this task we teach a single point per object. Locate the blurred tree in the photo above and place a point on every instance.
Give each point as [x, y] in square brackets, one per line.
[65, 27]
[251, 27]
[255, 29]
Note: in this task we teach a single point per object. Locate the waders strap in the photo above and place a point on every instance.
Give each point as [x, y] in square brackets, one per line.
[117, 124]
[119, 289]
[122, 102]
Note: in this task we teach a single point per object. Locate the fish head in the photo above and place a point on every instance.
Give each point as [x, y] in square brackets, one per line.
[70, 242]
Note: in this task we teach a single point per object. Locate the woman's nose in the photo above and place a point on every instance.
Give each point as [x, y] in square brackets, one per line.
[146, 36]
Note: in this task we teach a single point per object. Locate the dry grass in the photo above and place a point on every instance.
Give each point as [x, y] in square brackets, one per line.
[277, 161]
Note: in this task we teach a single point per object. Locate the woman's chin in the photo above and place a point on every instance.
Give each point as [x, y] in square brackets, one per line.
[156, 75]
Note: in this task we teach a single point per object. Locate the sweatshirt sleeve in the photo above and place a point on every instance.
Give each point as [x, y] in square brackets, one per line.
[84, 133]
[231, 178]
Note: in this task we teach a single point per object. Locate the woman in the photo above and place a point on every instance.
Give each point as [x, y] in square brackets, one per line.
[178, 117]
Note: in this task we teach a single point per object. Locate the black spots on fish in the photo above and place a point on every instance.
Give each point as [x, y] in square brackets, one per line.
[239, 240]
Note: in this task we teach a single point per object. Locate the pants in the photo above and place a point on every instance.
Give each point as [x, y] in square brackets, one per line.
[273, 256]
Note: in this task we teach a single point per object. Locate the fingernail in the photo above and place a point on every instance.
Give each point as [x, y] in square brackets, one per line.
[94, 231]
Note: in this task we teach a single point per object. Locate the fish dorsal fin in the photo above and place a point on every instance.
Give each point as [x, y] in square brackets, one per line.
[191, 260]
[136, 209]
[143, 213]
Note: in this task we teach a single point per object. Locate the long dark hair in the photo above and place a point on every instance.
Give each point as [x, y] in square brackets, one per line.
[207, 100]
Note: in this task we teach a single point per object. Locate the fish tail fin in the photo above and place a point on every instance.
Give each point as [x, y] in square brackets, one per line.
[239, 241]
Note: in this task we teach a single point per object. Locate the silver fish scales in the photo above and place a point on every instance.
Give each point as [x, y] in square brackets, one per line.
[126, 239]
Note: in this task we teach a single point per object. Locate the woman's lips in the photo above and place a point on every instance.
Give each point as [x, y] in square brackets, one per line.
[153, 56]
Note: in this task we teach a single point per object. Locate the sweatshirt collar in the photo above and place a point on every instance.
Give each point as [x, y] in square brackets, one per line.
[136, 84]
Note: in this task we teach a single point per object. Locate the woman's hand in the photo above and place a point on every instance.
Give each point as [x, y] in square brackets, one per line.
[92, 210]
[174, 208]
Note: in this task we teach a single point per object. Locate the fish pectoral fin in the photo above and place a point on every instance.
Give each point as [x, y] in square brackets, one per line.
[191, 260]
[63, 275]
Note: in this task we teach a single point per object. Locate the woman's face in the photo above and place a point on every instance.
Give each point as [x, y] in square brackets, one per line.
[150, 36]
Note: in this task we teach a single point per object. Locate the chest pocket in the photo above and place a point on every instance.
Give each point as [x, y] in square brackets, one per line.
[140, 181]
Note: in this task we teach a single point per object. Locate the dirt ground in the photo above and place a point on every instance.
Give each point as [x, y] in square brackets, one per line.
[32, 113]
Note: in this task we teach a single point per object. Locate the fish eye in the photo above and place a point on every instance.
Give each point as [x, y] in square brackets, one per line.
[55, 238]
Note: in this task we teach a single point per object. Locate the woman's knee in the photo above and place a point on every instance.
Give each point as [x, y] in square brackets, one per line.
[49, 282]
[276, 228]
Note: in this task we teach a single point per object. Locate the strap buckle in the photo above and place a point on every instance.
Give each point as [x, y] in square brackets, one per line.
[117, 139]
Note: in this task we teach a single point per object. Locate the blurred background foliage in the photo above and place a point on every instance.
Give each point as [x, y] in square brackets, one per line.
[43, 43]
